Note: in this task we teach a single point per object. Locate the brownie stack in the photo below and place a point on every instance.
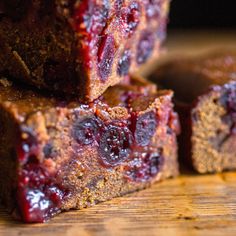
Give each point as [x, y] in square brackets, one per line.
[69, 139]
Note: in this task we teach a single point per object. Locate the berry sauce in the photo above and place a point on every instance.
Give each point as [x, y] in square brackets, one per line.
[39, 196]
[228, 100]
[89, 20]
[102, 26]
[144, 165]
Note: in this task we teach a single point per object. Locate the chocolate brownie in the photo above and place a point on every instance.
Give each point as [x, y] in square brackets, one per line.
[205, 89]
[79, 47]
[57, 155]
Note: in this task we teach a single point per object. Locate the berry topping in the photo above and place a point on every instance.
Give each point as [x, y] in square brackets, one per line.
[153, 8]
[145, 47]
[90, 17]
[118, 4]
[115, 144]
[144, 166]
[144, 128]
[130, 17]
[124, 63]
[106, 55]
[28, 146]
[229, 101]
[38, 196]
[85, 131]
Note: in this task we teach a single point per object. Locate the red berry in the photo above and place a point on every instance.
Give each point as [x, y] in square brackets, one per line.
[144, 127]
[145, 47]
[115, 145]
[144, 166]
[85, 131]
[130, 18]
[124, 63]
[106, 53]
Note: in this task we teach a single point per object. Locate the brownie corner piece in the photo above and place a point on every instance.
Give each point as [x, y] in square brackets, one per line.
[205, 96]
[213, 129]
[58, 155]
[80, 47]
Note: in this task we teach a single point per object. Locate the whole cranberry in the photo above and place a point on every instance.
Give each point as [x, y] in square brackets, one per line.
[144, 128]
[115, 145]
[86, 130]
[144, 166]
[124, 63]
[130, 18]
[106, 53]
[145, 47]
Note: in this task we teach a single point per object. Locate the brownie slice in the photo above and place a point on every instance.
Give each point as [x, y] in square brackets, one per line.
[79, 47]
[58, 155]
[205, 90]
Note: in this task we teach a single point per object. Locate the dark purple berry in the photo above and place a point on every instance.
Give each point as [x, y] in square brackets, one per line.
[39, 196]
[145, 128]
[91, 17]
[124, 63]
[118, 4]
[161, 30]
[86, 130]
[115, 145]
[130, 17]
[144, 166]
[145, 47]
[106, 53]
[27, 148]
[153, 8]
[228, 100]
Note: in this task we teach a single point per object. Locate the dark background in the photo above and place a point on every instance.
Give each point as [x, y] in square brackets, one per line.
[203, 14]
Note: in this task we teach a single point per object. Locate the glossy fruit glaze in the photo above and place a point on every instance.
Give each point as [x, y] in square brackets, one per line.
[99, 22]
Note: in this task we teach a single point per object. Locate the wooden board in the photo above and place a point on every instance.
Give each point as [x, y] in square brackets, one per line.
[188, 205]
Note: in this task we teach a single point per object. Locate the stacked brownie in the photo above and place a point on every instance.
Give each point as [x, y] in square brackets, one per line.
[69, 141]
[79, 46]
[205, 95]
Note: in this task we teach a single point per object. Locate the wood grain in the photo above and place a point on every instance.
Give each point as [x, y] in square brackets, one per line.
[189, 205]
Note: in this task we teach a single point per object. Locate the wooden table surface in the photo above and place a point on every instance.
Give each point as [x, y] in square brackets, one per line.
[188, 205]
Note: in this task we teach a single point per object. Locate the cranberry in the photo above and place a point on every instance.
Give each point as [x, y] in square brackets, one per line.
[130, 17]
[39, 197]
[90, 17]
[145, 47]
[48, 150]
[231, 99]
[85, 131]
[144, 127]
[37, 205]
[118, 4]
[161, 30]
[228, 99]
[153, 8]
[28, 146]
[173, 123]
[124, 63]
[115, 145]
[106, 53]
[144, 166]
